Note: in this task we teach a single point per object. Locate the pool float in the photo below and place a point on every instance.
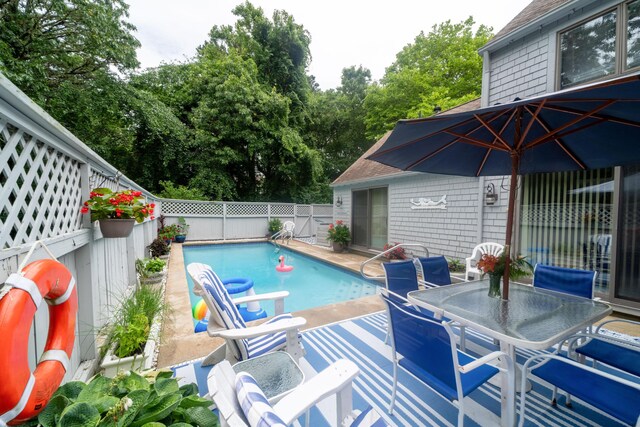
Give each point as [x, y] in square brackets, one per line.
[24, 394]
[283, 268]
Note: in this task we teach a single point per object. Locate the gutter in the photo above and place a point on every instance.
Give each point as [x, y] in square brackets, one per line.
[401, 174]
[537, 24]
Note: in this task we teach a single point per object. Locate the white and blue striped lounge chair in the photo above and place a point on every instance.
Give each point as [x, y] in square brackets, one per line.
[241, 402]
[244, 342]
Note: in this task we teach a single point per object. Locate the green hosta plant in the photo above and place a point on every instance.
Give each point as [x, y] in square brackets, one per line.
[149, 266]
[129, 399]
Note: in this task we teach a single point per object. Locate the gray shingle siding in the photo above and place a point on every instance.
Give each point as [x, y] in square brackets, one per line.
[452, 232]
[520, 70]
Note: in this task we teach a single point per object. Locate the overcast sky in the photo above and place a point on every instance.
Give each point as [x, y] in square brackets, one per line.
[343, 32]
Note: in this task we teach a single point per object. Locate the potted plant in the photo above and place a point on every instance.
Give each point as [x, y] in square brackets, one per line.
[150, 270]
[132, 337]
[128, 399]
[275, 225]
[456, 266]
[168, 233]
[182, 230]
[397, 253]
[159, 248]
[339, 235]
[494, 266]
[117, 211]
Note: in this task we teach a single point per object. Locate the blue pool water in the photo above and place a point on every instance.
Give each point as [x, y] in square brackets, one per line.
[312, 283]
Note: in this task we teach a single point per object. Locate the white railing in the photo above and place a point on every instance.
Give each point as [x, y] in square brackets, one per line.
[364, 264]
[242, 220]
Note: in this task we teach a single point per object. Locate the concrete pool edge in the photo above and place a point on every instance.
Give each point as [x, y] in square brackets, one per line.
[179, 343]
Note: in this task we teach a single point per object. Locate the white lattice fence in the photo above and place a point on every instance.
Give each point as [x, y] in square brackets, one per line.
[566, 215]
[39, 189]
[323, 210]
[191, 208]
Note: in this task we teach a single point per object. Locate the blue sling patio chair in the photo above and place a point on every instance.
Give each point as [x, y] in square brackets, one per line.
[611, 394]
[400, 278]
[242, 341]
[600, 348]
[567, 280]
[428, 350]
[435, 271]
[241, 402]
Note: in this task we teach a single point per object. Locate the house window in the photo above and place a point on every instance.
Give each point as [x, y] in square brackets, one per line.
[595, 49]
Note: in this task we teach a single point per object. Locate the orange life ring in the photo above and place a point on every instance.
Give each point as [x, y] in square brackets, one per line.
[24, 394]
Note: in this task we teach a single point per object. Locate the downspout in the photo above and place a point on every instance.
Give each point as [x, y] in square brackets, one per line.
[481, 189]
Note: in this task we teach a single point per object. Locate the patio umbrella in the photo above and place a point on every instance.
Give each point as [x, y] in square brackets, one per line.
[588, 127]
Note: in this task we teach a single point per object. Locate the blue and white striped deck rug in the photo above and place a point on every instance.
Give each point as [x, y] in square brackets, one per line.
[362, 341]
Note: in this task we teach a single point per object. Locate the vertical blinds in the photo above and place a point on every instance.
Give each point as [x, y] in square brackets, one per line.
[566, 220]
[628, 250]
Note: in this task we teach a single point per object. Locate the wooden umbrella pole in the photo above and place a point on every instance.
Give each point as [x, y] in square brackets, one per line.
[515, 162]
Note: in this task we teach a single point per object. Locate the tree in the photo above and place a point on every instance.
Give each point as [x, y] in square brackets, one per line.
[246, 148]
[441, 68]
[279, 48]
[49, 44]
[337, 127]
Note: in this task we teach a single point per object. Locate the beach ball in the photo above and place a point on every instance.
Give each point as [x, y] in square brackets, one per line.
[199, 310]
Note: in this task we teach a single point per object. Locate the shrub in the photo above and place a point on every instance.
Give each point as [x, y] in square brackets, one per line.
[456, 265]
[130, 328]
[397, 253]
[275, 225]
[339, 233]
[129, 399]
[158, 247]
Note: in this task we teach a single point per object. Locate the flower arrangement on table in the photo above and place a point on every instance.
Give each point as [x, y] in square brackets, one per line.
[494, 266]
[396, 253]
[105, 203]
[339, 233]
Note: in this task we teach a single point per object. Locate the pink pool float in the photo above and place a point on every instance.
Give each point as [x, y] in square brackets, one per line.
[283, 268]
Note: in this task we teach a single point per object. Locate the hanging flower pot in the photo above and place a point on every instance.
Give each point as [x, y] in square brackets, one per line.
[113, 228]
[117, 211]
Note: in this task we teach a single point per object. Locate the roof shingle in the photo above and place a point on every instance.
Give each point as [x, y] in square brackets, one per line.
[363, 168]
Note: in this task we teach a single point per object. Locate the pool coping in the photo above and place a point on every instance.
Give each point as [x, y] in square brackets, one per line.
[178, 341]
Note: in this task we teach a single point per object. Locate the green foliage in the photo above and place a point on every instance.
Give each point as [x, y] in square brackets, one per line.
[336, 127]
[129, 399]
[441, 68]
[158, 247]
[148, 266]
[183, 227]
[130, 327]
[339, 233]
[456, 265]
[275, 225]
[181, 192]
[169, 232]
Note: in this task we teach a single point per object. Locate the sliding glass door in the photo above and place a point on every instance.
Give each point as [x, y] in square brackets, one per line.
[628, 247]
[370, 217]
[566, 220]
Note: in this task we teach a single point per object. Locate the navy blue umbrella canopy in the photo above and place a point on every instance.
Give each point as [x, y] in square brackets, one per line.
[588, 127]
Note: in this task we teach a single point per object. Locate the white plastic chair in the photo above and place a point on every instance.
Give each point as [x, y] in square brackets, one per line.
[242, 341]
[483, 248]
[334, 380]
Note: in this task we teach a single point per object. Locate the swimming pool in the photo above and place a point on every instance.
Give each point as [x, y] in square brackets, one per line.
[312, 283]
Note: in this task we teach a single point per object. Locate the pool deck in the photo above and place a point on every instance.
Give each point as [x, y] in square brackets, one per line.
[180, 344]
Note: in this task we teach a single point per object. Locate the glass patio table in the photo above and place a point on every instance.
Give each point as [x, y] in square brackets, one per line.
[532, 318]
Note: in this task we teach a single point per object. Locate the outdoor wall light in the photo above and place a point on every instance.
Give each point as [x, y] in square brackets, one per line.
[338, 201]
[490, 197]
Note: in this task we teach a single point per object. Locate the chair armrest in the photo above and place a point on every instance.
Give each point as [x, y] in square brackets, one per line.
[574, 341]
[485, 359]
[263, 329]
[331, 380]
[632, 322]
[261, 297]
